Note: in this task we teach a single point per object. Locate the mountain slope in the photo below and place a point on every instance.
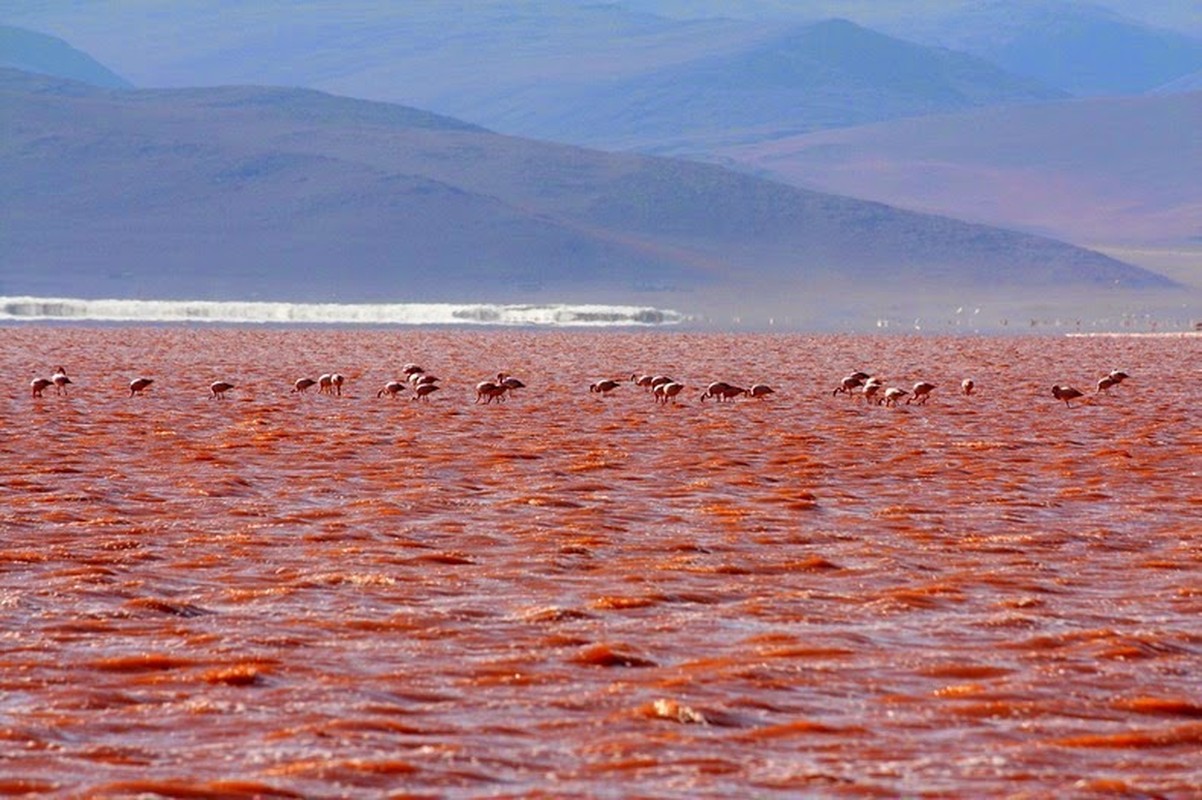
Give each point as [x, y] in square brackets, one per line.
[243, 192]
[49, 55]
[822, 75]
[1099, 170]
[1080, 47]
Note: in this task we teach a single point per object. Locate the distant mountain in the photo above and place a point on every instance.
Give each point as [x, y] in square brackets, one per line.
[48, 55]
[249, 192]
[1083, 48]
[827, 74]
[1186, 83]
[585, 73]
[1104, 170]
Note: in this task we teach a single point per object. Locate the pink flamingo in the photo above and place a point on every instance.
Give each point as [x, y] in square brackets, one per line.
[219, 388]
[1066, 393]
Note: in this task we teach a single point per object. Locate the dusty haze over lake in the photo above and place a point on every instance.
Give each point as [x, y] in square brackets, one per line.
[565, 595]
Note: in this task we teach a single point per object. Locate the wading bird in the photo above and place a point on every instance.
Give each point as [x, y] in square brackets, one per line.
[392, 389]
[219, 388]
[967, 386]
[870, 389]
[302, 385]
[921, 393]
[138, 384]
[510, 383]
[761, 390]
[1113, 378]
[39, 385]
[488, 391]
[424, 390]
[666, 392]
[60, 380]
[1066, 393]
[721, 391]
[893, 394]
[603, 387]
[850, 383]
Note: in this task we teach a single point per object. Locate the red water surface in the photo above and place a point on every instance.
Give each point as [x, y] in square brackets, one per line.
[570, 595]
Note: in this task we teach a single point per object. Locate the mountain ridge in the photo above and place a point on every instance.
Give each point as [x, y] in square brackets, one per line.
[181, 193]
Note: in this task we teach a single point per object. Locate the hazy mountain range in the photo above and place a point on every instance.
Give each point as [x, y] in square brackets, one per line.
[468, 181]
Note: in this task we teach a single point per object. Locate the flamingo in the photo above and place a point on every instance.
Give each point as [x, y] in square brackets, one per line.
[138, 384]
[1066, 393]
[870, 389]
[411, 369]
[422, 378]
[488, 391]
[603, 387]
[302, 385]
[921, 392]
[761, 390]
[641, 380]
[967, 386]
[668, 391]
[893, 394]
[325, 384]
[721, 390]
[509, 383]
[392, 389]
[219, 388]
[39, 385]
[60, 380]
[337, 380]
[424, 390]
[850, 383]
[1112, 378]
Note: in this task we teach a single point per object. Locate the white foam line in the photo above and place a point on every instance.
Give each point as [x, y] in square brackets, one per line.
[113, 310]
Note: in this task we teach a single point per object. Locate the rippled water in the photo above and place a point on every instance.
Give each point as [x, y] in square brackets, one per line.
[568, 595]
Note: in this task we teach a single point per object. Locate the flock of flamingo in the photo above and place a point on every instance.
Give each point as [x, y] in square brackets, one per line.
[662, 388]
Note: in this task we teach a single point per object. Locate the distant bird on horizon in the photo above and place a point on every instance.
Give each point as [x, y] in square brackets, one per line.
[39, 385]
[60, 380]
[1066, 393]
[217, 389]
[137, 385]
